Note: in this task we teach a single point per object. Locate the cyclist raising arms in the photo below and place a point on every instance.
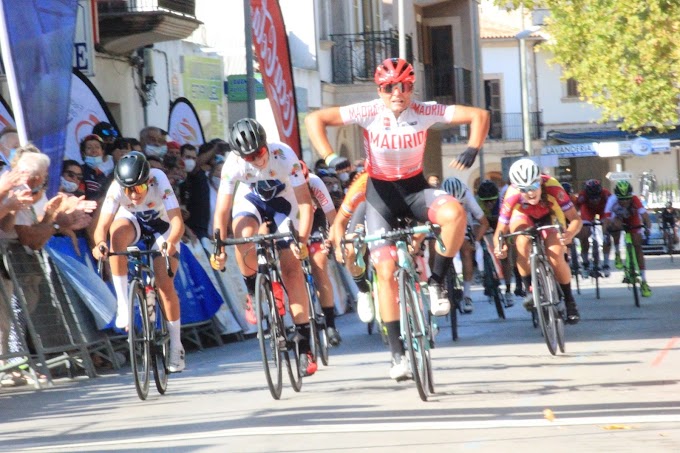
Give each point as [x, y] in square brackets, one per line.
[534, 199]
[625, 208]
[591, 202]
[141, 200]
[276, 191]
[479, 224]
[396, 129]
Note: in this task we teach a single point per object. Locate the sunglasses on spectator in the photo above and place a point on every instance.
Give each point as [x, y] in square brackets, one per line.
[404, 87]
[256, 155]
[139, 189]
[109, 133]
[74, 175]
[530, 188]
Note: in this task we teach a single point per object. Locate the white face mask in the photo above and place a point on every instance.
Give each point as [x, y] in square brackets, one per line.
[154, 150]
[344, 177]
[68, 186]
[94, 161]
[189, 165]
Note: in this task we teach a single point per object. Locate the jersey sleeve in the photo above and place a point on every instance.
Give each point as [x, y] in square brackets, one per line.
[321, 194]
[230, 175]
[361, 113]
[511, 198]
[608, 208]
[637, 204]
[165, 189]
[288, 163]
[356, 194]
[112, 199]
[472, 206]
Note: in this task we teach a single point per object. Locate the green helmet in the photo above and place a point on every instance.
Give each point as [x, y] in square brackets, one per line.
[623, 190]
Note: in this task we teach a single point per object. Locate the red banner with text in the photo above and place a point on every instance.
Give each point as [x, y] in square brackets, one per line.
[271, 49]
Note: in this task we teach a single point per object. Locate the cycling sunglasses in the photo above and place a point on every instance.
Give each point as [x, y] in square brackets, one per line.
[109, 133]
[256, 155]
[404, 87]
[530, 188]
[139, 189]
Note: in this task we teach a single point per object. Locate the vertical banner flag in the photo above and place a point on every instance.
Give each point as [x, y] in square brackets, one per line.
[184, 126]
[86, 108]
[37, 51]
[6, 116]
[271, 47]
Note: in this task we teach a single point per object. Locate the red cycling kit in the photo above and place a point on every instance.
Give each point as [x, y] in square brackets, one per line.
[588, 211]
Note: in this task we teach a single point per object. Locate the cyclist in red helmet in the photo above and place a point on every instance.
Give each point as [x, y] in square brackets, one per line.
[395, 133]
[591, 202]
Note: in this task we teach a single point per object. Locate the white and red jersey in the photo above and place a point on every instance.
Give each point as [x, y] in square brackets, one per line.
[320, 195]
[395, 146]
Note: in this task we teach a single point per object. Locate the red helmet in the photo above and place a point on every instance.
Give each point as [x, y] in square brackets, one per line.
[394, 70]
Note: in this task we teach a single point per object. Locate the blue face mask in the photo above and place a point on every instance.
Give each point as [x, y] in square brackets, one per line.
[155, 150]
[68, 186]
[94, 161]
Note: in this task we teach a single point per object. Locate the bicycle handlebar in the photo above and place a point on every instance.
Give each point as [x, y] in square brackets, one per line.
[531, 232]
[136, 252]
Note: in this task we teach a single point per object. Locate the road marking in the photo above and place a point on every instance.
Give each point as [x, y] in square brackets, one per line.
[664, 352]
[367, 427]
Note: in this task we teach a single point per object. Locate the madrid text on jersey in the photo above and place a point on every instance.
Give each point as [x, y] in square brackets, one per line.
[396, 140]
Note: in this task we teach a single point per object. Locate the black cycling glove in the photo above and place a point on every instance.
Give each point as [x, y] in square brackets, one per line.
[467, 158]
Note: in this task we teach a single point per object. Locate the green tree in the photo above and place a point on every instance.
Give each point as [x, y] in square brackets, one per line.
[624, 54]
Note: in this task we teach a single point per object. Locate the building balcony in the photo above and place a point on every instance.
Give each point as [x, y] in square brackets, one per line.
[504, 127]
[356, 55]
[126, 25]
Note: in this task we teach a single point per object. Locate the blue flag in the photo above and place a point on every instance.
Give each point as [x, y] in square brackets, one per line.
[37, 51]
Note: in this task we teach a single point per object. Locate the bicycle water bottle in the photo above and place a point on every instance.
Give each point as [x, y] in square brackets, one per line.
[277, 289]
[151, 303]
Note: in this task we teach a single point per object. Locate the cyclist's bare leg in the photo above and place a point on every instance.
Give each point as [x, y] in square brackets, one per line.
[637, 245]
[388, 294]
[555, 251]
[166, 287]
[583, 237]
[294, 281]
[246, 257]
[122, 234]
[467, 251]
[323, 282]
[451, 217]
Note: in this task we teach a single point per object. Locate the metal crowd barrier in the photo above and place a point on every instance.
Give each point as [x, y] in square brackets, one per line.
[45, 331]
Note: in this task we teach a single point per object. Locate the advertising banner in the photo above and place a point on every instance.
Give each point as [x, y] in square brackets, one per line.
[86, 109]
[184, 126]
[204, 87]
[271, 49]
[37, 51]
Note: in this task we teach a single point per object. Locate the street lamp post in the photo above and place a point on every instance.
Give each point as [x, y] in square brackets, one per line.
[526, 125]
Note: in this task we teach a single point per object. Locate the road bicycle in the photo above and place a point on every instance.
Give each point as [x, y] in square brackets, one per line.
[668, 239]
[454, 288]
[631, 268]
[595, 269]
[492, 284]
[275, 340]
[317, 320]
[416, 325]
[547, 294]
[574, 265]
[148, 336]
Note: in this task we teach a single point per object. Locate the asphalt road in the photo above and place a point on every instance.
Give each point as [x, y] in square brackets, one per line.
[498, 388]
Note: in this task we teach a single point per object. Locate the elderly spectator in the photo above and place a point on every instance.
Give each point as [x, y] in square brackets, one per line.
[153, 141]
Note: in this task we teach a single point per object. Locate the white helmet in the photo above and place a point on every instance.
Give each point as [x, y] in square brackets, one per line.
[454, 186]
[524, 173]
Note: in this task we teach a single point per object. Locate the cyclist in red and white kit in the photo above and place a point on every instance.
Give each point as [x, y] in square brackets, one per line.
[396, 129]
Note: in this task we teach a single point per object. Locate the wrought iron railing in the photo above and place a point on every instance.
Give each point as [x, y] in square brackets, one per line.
[183, 7]
[356, 55]
[504, 126]
[453, 86]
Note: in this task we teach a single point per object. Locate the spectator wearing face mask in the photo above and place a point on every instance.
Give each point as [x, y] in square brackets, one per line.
[9, 142]
[96, 171]
[72, 178]
[343, 169]
[194, 192]
[153, 141]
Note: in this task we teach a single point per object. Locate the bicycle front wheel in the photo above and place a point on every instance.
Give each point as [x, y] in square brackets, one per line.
[543, 303]
[596, 266]
[160, 348]
[414, 332]
[138, 339]
[270, 334]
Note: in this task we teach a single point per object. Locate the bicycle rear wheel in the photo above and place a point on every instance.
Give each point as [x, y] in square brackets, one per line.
[269, 334]
[414, 332]
[492, 283]
[542, 302]
[161, 350]
[138, 339]
[631, 262]
[596, 266]
[455, 295]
